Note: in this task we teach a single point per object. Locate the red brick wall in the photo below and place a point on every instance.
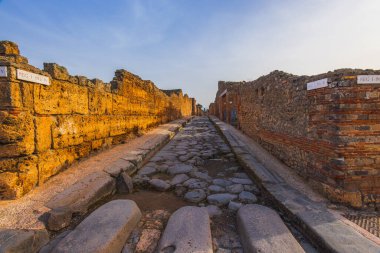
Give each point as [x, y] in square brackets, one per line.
[330, 136]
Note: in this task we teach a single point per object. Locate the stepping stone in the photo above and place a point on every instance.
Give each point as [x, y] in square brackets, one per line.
[17, 240]
[234, 206]
[188, 230]
[247, 197]
[78, 197]
[221, 199]
[262, 230]
[179, 179]
[159, 184]
[195, 196]
[180, 169]
[235, 188]
[104, 230]
[222, 182]
[241, 180]
[216, 189]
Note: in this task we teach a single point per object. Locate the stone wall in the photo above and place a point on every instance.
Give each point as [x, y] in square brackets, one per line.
[330, 136]
[44, 128]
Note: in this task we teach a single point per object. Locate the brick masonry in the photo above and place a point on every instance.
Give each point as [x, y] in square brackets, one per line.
[330, 136]
[46, 128]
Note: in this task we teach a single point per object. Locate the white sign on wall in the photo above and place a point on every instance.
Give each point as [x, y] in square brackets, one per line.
[3, 71]
[369, 79]
[31, 77]
[317, 84]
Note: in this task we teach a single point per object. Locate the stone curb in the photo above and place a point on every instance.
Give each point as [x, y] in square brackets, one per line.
[327, 231]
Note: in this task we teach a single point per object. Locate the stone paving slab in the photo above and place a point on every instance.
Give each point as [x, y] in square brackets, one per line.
[262, 230]
[188, 231]
[104, 231]
[328, 230]
[28, 211]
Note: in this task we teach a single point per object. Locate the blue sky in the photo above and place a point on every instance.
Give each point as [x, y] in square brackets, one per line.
[191, 44]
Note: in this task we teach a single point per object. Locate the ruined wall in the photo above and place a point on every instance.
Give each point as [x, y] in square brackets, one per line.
[44, 128]
[330, 135]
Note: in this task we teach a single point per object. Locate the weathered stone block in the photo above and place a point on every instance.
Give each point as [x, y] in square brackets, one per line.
[8, 48]
[10, 95]
[100, 102]
[43, 132]
[105, 230]
[56, 71]
[18, 176]
[60, 98]
[16, 134]
[51, 162]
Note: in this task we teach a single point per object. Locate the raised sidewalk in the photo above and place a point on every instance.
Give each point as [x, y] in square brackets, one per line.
[78, 187]
[330, 231]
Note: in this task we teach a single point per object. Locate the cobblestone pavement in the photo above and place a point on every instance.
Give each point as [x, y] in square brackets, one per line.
[198, 167]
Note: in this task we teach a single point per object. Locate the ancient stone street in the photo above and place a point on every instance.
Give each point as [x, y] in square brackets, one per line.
[199, 168]
[282, 164]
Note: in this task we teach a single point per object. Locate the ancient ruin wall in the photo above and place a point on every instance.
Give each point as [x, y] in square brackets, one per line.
[330, 135]
[44, 128]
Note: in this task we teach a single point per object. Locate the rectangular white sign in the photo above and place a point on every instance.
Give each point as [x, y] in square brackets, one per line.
[31, 77]
[317, 84]
[3, 71]
[223, 93]
[369, 79]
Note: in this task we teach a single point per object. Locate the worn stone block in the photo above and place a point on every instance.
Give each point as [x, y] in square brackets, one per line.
[43, 132]
[18, 176]
[56, 71]
[60, 98]
[8, 48]
[100, 101]
[16, 134]
[105, 230]
[51, 162]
